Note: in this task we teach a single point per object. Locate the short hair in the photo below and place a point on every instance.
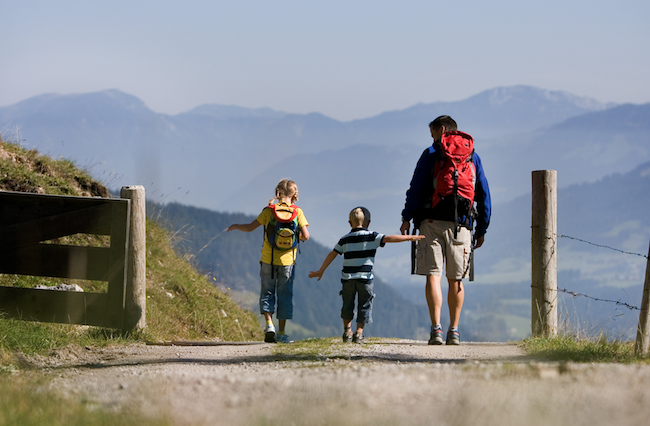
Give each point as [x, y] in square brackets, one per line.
[359, 216]
[444, 120]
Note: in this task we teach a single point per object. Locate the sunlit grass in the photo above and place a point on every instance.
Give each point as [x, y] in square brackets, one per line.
[182, 304]
[570, 347]
[24, 402]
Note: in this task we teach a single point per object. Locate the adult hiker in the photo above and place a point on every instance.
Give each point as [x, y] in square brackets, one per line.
[447, 194]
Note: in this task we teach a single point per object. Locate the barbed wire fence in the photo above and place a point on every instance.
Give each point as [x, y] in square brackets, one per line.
[544, 318]
[577, 294]
[573, 293]
[601, 245]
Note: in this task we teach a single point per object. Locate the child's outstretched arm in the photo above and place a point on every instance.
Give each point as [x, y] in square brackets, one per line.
[402, 238]
[318, 274]
[245, 228]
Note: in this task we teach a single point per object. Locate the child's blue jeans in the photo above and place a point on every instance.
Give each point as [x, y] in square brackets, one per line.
[279, 287]
[364, 290]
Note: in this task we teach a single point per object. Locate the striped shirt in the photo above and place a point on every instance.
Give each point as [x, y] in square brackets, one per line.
[358, 249]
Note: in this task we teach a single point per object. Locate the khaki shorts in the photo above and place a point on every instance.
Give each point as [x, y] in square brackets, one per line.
[439, 248]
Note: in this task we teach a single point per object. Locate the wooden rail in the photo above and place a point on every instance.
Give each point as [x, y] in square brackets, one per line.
[27, 221]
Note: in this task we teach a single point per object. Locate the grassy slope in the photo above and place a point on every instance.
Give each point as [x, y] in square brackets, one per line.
[181, 303]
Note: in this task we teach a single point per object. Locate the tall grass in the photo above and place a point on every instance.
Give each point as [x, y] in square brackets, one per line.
[576, 348]
[181, 303]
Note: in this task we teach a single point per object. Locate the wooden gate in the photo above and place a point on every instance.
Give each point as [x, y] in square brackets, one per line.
[27, 221]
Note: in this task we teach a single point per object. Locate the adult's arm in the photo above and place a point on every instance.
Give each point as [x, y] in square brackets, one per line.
[483, 199]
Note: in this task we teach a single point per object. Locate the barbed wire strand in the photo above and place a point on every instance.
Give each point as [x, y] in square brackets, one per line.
[601, 245]
[576, 294]
[618, 302]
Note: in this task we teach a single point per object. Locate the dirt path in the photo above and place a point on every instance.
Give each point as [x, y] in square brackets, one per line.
[395, 382]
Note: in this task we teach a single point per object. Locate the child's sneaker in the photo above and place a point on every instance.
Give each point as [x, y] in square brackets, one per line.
[453, 338]
[347, 336]
[269, 333]
[357, 338]
[436, 336]
[282, 338]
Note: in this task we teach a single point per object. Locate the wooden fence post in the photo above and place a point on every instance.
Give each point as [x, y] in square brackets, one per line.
[643, 331]
[136, 282]
[544, 321]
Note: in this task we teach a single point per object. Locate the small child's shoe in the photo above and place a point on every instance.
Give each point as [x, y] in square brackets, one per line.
[358, 338]
[347, 336]
[269, 333]
[282, 338]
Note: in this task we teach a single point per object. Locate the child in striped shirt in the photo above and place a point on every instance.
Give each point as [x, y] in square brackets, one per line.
[358, 248]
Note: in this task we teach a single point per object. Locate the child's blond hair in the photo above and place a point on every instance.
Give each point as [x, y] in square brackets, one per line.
[359, 216]
[285, 188]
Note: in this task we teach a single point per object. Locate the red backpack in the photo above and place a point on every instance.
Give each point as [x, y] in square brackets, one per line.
[454, 173]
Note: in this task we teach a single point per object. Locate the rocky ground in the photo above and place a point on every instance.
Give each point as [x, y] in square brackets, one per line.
[386, 382]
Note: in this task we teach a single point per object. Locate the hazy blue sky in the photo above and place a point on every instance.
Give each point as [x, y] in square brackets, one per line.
[346, 59]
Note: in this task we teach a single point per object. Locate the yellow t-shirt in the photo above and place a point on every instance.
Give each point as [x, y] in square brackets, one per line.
[280, 257]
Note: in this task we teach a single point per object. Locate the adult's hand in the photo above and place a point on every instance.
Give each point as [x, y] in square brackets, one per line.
[479, 241]
[404, 229]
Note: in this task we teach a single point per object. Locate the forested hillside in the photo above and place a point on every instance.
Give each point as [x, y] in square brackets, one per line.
[232, 260]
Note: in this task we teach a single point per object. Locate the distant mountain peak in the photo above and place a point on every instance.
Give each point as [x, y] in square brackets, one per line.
[232, 111]
[500, 96]
[110, 96]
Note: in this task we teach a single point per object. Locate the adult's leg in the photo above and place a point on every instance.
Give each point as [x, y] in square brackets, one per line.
[434, 298]
[455, 300]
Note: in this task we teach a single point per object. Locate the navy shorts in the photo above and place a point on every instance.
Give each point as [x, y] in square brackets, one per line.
[365, 295]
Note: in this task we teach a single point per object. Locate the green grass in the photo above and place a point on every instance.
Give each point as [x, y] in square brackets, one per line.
[24, 403]
[569, 347]
[313, 348]
[182, 304]
[320, 349]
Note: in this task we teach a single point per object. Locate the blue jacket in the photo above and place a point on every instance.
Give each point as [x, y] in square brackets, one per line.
[421, 190]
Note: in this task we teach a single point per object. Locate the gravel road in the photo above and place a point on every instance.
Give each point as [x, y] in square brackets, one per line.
[386, 382]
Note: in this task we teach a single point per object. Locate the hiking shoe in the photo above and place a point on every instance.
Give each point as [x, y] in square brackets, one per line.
[453, 338]
[436, 337]
[282, 338]
[269, 333]
[347, 336]
[357, 338]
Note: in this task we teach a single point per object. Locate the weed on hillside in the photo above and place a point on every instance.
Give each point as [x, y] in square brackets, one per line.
[571, 347]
